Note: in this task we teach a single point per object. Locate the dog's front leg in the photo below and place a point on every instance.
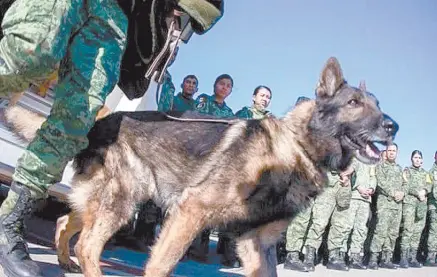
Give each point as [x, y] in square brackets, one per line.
[66, 227]
[257, 251]
[182, 225]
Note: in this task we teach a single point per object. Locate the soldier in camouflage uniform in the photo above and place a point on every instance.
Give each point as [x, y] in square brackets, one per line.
[354, 220]
[417, 186]
[184, 100]
[261, 98]
[390, 194]
[335, 198]
[88, 39]
[215, 104]
[295, 237]
[432, 213]
[296, 234]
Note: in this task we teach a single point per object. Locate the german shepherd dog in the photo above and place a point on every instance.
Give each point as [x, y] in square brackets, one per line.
[249, 175]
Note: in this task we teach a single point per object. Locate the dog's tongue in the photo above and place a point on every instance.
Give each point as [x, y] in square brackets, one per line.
[372, 151]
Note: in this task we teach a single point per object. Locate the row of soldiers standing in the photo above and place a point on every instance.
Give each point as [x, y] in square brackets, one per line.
[396, 200]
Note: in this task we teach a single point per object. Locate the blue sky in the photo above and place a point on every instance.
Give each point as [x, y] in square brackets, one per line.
[284, 44]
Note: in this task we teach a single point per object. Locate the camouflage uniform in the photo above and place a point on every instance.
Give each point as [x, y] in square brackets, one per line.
[413, 214]
[432, 213]
[170, 102]
[333, 200]
[49, 32]
[389, 213]
[252, 112]
[207, 104]
[295, 236]
[356, 217]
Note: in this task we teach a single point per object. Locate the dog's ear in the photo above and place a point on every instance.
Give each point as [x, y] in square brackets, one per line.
[362, 86]
[330, 79]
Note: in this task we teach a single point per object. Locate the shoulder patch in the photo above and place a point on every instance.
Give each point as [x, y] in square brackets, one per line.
[201, 102]
[405, 174]
[372, 170]
[428, 179]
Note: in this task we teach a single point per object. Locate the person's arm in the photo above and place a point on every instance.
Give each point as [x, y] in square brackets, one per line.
[384, 186]
[166, 98]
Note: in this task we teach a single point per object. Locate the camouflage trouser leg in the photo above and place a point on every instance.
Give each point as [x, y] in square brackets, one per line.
[359, 229]
[297, 230]
[87, 74]
[36, 35]
[386, 230]
[414, 224]
[341, 225]
[432, 234]
[323, 208]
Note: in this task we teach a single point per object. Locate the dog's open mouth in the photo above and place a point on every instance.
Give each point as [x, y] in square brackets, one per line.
[366, 150]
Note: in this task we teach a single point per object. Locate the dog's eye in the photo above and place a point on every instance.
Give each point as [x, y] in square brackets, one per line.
[353, 102]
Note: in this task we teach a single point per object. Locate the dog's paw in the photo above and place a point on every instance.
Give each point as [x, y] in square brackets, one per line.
[70, 267]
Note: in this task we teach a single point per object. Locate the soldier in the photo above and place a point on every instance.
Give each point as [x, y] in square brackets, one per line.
[432, 213]
[88, 39]
[184, 100]
[390, 194]
[354, 221]
[334, 198]
[261, 98]
[215, 104]
[417, 185]
[295, 237]
[296, 234]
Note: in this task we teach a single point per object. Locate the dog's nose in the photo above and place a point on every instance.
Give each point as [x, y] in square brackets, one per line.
[390, 126]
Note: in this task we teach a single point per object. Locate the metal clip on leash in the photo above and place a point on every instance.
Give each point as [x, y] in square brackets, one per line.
[171, 44]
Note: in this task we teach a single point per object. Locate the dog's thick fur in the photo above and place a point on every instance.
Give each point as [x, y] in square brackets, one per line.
[251, 175]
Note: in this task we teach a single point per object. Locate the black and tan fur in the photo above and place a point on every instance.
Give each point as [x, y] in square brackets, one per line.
[252, 176]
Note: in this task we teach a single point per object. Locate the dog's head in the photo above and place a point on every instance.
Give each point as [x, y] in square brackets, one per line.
[348, 120]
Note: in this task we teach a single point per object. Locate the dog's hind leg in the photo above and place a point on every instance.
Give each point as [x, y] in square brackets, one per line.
[256, 249]
[66, 227]
[99, 225]
[180, 228]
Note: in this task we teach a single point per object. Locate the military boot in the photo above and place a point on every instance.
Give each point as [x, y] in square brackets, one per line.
[336, 260]
[309, 258]
[356, 261]
[413, 259]
[373, 261]
[386, 261]
[404, 259]
[292, 262]
[431, 259]
[14, 253]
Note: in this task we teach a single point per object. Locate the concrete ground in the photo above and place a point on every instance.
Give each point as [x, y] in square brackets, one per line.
[118, 261]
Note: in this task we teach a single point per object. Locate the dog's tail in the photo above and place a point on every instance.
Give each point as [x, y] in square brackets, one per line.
[23, 122]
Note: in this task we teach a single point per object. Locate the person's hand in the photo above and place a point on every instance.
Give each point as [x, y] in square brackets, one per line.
[344, 180]
[347, 172]
[422, 195]
[363, 192]
[399, 195]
